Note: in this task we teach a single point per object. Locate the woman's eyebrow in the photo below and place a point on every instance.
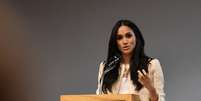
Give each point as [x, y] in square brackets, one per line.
[129, 33]
[125, 33]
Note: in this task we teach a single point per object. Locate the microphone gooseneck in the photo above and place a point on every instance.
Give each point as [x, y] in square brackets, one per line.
[109, 66]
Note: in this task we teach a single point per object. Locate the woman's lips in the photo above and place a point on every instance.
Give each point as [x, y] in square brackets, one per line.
[125, 47]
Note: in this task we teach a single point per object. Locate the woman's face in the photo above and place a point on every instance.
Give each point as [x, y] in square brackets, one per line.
[126, 40]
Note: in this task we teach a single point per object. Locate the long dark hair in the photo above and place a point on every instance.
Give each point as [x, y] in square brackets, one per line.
[139, 59]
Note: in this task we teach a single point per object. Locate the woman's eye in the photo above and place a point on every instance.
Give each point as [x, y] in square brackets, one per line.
[128, 35]
[119, 37]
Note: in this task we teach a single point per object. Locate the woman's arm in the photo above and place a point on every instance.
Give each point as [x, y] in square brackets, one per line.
[155, 86]
[100, 72]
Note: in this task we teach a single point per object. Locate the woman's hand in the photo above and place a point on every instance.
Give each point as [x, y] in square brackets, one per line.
[144, 79]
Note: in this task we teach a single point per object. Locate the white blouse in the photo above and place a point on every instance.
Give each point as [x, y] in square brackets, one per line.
[124, 84]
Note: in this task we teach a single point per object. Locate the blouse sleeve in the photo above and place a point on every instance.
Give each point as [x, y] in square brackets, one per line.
[158, 79]
[99, 77]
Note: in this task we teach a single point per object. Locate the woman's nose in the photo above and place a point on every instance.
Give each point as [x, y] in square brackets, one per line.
[125, 40]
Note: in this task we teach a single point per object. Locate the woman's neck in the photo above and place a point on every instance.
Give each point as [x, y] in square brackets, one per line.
[126, 59]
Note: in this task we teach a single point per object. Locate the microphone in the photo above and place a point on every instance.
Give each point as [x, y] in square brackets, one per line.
[110, 66]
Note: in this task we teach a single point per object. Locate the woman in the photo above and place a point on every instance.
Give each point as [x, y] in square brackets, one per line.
[135, 72]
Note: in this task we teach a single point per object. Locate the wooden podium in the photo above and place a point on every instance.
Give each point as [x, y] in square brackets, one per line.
[104, 97]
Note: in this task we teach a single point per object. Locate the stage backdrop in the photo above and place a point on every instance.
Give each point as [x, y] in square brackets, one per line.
[67, 39]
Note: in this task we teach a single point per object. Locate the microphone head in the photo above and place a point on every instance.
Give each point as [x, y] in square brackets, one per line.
[113, 60]
[116, 56]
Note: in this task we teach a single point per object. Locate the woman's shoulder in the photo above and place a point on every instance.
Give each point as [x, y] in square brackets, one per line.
[154, 61]
[154, 64]
[101, 65]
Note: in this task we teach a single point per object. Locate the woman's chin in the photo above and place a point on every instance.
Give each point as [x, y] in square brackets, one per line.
[126, 52]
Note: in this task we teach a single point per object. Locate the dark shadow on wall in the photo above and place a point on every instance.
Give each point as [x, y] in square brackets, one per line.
[12, 56]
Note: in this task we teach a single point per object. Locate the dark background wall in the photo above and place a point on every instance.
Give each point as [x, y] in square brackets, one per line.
[65, 40]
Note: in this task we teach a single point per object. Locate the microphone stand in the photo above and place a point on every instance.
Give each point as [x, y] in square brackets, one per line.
[111, 66]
